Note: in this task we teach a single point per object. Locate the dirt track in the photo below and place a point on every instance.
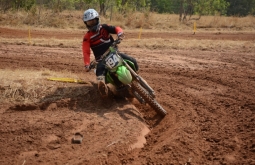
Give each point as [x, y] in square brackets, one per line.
[70, 34]
[209, 96]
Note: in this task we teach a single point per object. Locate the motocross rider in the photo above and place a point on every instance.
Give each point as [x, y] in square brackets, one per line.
[98, 39]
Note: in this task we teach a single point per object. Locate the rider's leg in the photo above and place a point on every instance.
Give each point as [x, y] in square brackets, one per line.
[100, 73]
[124, 56]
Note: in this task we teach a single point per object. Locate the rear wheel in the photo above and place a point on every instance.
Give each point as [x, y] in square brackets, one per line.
[148, 99]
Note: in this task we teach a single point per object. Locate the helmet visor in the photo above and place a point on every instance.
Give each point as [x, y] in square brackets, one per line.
[91, 23]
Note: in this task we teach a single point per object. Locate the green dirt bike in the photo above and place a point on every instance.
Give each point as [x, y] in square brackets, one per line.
[122, 75]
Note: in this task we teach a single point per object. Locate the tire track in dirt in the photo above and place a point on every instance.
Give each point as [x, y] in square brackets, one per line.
[208, 95]
[214, 94]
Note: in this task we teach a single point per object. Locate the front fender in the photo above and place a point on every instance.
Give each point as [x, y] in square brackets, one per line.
[124, 75]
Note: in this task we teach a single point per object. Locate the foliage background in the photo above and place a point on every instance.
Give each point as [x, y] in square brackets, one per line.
[132, 14]
[202, 7]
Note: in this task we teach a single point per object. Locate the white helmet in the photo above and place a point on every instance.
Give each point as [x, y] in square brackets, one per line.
[89, 15]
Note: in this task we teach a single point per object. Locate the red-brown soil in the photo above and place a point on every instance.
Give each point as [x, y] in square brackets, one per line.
[209, 97]
[62, 34]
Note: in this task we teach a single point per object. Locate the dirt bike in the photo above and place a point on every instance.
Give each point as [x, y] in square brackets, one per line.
[121, 73]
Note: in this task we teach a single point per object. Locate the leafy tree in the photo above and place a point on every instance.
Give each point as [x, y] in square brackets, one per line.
[103, 6]
[202, 7]
[16, 4]
[210, 7]
[29, 4]
[133, 5]
[5, 5]
[241, 7]
[183, 7]
[162, 6]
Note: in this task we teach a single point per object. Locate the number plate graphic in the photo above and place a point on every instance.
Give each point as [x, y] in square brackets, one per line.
[112, 60]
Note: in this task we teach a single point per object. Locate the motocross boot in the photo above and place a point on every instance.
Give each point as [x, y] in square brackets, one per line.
[102, 88]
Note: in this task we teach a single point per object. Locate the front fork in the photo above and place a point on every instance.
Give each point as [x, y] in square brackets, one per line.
[140, 80]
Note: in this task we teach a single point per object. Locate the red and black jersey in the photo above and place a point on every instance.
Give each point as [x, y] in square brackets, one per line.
[98, 41]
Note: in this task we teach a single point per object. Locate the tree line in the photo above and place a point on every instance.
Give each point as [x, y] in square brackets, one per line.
[185, 8]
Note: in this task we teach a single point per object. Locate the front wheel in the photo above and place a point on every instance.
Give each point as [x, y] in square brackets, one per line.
[148, 98]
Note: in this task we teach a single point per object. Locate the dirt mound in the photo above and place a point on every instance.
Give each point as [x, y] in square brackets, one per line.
[37, 131]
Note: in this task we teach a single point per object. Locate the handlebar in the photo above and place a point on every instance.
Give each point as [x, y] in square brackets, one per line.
[93, 63]
[116, 42]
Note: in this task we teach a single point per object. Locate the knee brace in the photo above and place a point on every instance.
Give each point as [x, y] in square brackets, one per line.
[100, 78]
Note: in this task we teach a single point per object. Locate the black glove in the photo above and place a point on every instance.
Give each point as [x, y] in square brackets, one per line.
[87, 69]
[121, 36]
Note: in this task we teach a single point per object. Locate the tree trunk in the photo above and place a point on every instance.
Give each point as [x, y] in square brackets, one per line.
[40, 9]
[58, 6]
[181, 10]
[102, 9]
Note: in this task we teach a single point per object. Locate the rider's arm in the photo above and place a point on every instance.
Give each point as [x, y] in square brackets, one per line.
[86, 49]
[119, 31]
[113, 29]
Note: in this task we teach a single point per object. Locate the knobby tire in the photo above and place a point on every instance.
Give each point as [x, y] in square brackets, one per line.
[149, 99]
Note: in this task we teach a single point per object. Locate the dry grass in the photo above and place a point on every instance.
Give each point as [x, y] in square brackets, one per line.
[234, 23]
[26, 86]
[46, 19]
[47, 42]
[155, 43]
[132, 20]
[204, 45]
